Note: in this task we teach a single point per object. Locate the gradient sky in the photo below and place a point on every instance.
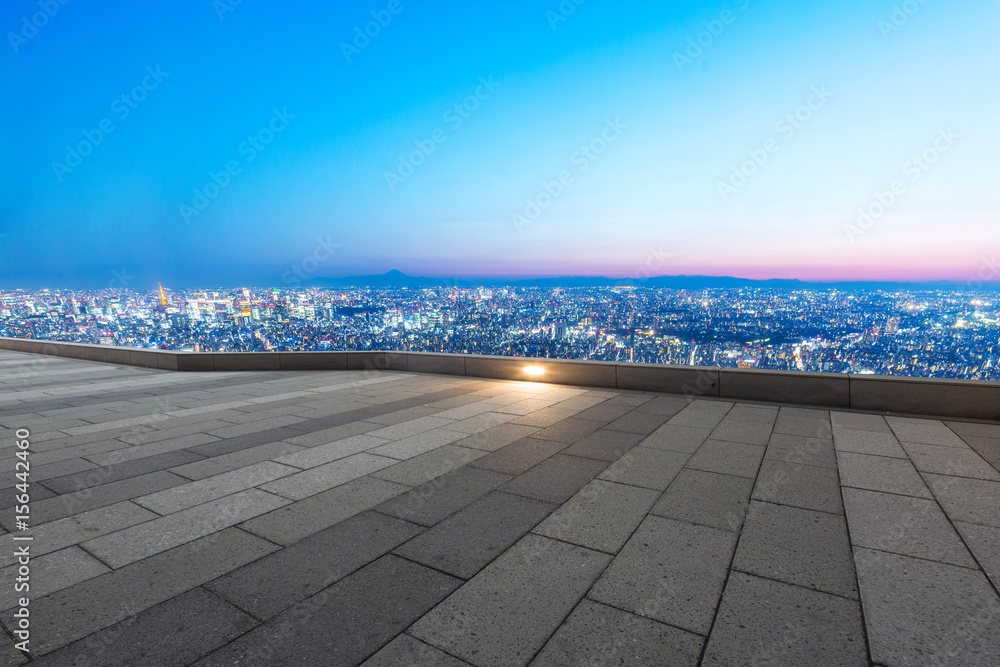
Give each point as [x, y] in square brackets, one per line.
[649, 204]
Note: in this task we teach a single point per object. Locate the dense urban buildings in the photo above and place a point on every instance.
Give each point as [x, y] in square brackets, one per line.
[954, 334]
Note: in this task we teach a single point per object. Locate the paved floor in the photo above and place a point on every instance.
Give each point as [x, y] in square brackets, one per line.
[329, 518]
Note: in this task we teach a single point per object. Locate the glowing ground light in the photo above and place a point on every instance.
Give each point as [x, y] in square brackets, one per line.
[534, 370]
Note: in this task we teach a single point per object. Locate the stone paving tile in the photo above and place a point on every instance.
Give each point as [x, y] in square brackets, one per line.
[665, 405]
[483, 621]
[411, 427]
[80, 610]
[152, 449]
[768, 622]
[606, 412]
[879, 473]
[212, 488]
[237, 430]
[8, 498]
[639, 422]
[956, 461]
[293, 522]
[964, 499]
[757, 414]
[706, 498]
[810, 427]
[333, 451]
[686, 439]
[322, 436]
[230, 445]
[467, 541]
[9, 655]
[598, 634]
[868, 442]
[270, 585]
[583, 401]
[346, 623]
[497, 437]
[604, 444]
[701, 414]
[729, 458]
[797, 546]
[964, 429]
[544, 417]
[556, 479]
[310, 482]
[984, 542]
[602, 516]
[922, 612]
[242, 458]
[59, 469]
[50, 573]
[56, 535]
[128, 545]
[519, 456]
[859, 422]
[670, 571]
[119, 471]
[801, 450]
[988, 448]
[161, 635]
[910, 526]
[924, 431]
[399, 416]
[569, 430]
[415, 445]
[423, 468]
[441, 497]
[525, 407]
[649, 468]
[808, 487]
[733, 430]
[406, 651]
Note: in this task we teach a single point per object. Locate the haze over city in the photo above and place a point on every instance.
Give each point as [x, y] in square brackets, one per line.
[222, 144]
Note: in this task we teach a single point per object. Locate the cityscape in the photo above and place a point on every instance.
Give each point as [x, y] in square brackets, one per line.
[941, 333]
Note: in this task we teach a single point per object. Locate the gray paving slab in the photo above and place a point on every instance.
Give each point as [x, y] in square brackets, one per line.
[50, 573]
[606, 412]
[483, 622]
[964, 429]
[801, 450]
[758, 414]
[768, 622]
[346, 623]
[519, 456]
[859, 422]
[161, 635]
[497, 437]
[570, 430]
[957, 461]
[56, 535]
[604, 445]
[867, 442]
[293, 522]
[638, 421]
[922, 612]
[735, 430]
[121, 455]
[965, 499]
[544, 417]
[556, 479]
[670, 571]
[173, 431]
[332, 434]
[646, 467]
[77, 611]
[925, 431]
[879, 473]
[665, 405]
[333, 451]
[270, 585]
[415, 445]
[602, 516]
[441, 497]
[797, 546]
[406, 651]
[10, 655]
[212, 488]
[466, 542]
[410, 427]
[129, 545]
[119, 471]
[900, 524]
[230, 445]
[809, 427]
[597, 634]
[988, 448]
[59, 469]
[8, 498]
[327, 476]
[984, 543]
[239, 459]
[706, 498]
[423, 468]
[808, 487]
[728, 458]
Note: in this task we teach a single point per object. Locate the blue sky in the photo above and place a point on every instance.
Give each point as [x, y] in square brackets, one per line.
[820, 140]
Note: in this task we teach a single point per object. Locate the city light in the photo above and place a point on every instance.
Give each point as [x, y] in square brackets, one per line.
[534, 370]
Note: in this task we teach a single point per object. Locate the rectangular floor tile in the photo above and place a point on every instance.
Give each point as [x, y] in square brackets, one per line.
[925, 431]
[800, 449]
[244, 457]
[646, 467]
[327, 476]
[406, 650]
[958, 461]
[677, 438]
[859, 422]
[494, 438]
[964, 499]
[211, 488]
[119, 471]
[706, 498]
[809, 487]
[423, 468]
[867, 442]
[727, 458]
[639, 422]
[50, 573]
[604, 444]
[556, 479]
[332, 451]
[415, 445]
[519, 456]
[879, 473]
[984, 542]
[734, 430]
[441, 497]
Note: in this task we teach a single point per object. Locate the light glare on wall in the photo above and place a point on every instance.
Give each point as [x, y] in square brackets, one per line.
[534, 370]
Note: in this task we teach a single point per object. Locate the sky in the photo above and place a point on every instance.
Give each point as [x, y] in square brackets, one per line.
[227, 143]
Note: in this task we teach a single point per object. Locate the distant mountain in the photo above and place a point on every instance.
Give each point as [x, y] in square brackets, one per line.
[398, 280]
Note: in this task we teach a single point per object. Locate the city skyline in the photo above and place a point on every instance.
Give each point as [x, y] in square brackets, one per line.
[225, 145]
